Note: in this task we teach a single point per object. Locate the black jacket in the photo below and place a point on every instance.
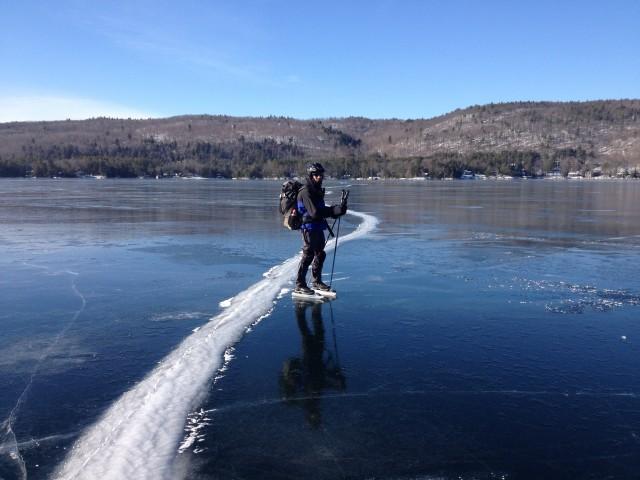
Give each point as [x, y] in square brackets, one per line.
[312, 207]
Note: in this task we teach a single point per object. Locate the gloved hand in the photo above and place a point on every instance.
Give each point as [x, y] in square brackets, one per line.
[343, 203]
[339, 210]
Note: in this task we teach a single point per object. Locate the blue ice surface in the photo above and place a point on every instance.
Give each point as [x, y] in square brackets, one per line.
[465, 343]
[485, 330]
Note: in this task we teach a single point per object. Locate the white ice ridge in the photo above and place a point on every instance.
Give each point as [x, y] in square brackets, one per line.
[138, 436]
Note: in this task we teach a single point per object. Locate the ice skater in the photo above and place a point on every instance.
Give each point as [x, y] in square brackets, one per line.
[314, 214]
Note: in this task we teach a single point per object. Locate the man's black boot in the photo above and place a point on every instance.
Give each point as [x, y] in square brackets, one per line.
[303, 289]
[319, 285]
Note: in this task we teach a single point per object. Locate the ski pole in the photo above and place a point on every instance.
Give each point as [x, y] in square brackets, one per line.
[335, 250]
[331, 234]
[343, 202]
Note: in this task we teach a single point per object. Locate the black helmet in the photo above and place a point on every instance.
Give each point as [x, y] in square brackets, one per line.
[315, 169]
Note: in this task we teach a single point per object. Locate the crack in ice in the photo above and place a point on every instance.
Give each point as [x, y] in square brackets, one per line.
[10, 457]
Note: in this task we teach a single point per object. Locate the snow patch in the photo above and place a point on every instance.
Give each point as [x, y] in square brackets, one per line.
[226, 303]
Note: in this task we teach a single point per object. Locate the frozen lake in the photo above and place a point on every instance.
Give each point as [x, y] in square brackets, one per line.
[482, 330]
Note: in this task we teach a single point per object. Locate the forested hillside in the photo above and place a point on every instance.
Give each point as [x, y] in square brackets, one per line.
[511, 138]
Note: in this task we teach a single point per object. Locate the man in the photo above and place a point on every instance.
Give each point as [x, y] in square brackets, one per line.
[314, 213]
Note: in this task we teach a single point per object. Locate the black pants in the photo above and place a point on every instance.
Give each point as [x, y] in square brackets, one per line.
[312, 254]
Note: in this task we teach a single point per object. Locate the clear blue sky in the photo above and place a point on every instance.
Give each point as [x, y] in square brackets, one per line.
[309, 59]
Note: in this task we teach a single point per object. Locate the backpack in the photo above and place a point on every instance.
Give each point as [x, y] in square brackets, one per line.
[289, 204]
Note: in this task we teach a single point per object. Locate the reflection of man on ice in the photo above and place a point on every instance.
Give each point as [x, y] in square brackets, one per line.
[304, 379]
[314, 213]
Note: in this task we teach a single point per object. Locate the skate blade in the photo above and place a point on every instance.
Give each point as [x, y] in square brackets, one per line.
[308, 297]
[327, 293]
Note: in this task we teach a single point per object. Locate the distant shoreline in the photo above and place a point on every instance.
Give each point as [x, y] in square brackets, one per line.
[523, 139]
[369, 180]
